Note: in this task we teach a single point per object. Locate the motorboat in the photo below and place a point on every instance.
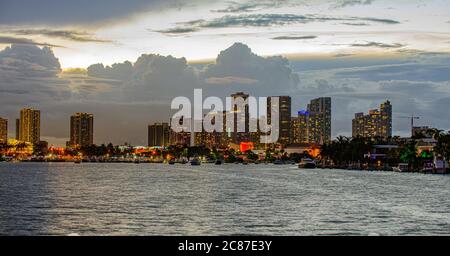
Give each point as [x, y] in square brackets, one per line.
[401, 168]
[195, 161]
[307, 163]
[278, 162]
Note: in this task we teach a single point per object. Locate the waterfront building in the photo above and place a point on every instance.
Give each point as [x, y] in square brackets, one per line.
[319, 120]
[377, 123]
[158, 135]
[284, 122]
[299, 127]
[240, 112]
[81, 130]
[30, 125]
[3, 130]
[17, 129]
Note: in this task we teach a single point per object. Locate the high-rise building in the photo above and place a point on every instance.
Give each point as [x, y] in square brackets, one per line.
[158, 135]
[284, 121]
[300, 128]
[30, 125]
[17, 129]
[386, 119]
[377, 123]
[319, 120]
[240, 114]
[81, 130]
[3, 130]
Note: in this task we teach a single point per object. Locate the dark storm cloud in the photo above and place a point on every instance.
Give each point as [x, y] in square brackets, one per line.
[73, 12]
[294, 37]
[20, 40]
[71, 35]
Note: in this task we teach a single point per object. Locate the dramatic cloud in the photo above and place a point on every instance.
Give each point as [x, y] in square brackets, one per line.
[63, 34]
[270, 75]
[294, 37]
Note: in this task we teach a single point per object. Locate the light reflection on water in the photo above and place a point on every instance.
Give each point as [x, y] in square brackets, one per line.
[156, 199]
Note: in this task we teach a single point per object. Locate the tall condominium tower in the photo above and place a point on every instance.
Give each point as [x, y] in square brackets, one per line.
[3, 130]
[284, 120]
[300, 127]
[377, 123]
[241, 113]
[319, 121]
[30, 125]
[158, 135]
[81, 130]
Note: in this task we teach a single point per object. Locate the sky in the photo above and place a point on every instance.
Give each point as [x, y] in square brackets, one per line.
[125, 60]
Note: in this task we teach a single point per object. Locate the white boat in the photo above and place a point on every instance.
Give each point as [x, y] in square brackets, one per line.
[401, 168]
[307, 163]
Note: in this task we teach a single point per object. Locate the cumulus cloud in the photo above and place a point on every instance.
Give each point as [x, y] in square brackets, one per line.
[273, 74]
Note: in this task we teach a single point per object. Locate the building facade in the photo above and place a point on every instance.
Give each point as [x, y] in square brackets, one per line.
[158, 135]
[240, 111]
[377, 123]
[30, 125]
[3, 130]
[319, 120]
[284, 121]
[81, 130]
[300, 128]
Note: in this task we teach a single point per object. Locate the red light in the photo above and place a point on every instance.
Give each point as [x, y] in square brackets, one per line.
[244, 146]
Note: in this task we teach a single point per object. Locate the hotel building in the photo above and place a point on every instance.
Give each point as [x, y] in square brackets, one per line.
[377, 123]
[30, 125]
[3, 130]
[81, 130]
[158, 135]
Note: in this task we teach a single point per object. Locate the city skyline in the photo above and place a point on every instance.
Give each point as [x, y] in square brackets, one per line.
[310, 126]
[126, 63]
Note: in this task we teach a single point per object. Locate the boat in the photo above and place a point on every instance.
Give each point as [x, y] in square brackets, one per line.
[401, 168]
[307, 163]
[77, 161]
[278, 162]
[171, 162]
[218, 162]
[195, 161]
[136, 161]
